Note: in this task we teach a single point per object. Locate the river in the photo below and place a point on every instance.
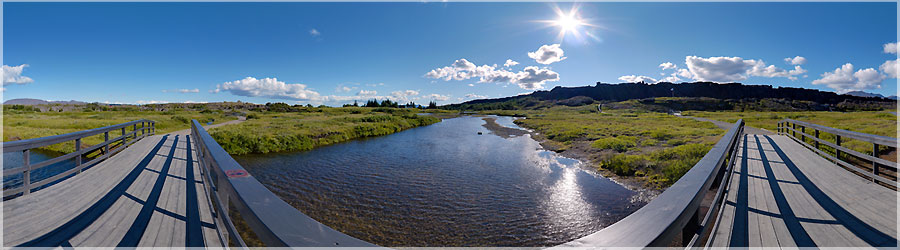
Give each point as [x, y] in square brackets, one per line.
[446, 185]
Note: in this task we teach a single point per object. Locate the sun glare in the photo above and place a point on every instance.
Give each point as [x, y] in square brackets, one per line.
[570, 23]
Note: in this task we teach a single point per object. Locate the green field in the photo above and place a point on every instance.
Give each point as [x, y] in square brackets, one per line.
[314, 127]
[869, 122]
[26, 124]
[656, 147]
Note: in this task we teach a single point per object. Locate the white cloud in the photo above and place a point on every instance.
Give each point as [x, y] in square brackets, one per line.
[404, 95]
[534, 78]
[375, 84]
[673, 79]
[636, 79]
[531, 78]
[474, 96]
[547, 54]
[890, 68]
[844, 79]
[510, 63]
[471, 85]
[342, 88]
[367, 93]
[314, 32]
[890, 48]
[797, 60]
[667, 65]
[142, 102]
[13, 75]
[183, 91]
[436, 97]
[268, 87]
[732, 69]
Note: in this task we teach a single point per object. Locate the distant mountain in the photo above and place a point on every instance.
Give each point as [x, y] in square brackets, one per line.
[893, 97]
[629, 91]
[864, 94]
[30, 101]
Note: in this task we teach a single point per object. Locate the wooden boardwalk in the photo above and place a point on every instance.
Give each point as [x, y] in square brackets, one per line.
[782, 194]
[151, 194]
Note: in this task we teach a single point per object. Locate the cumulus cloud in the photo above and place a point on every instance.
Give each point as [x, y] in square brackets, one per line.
[510, 63]
[436, 97]
[13, 75]
[844, 79]
[183, 91]
[474, 96]
[314, 32]
[534, 77]
[547, 54]
[732, 69]
[367, 93]
[890, 48]
[530, 78]
[142, 102]
[890, 68]
[637, 79]
[270, 88]
[342, 88]
[797, 60]
[404, 95]
[667, 65]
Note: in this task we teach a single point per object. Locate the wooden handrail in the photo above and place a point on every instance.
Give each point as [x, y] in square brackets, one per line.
[273, 221]
[147, 128]
[677, 210]
[788, 127]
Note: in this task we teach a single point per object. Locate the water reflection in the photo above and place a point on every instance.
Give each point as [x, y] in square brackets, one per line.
[445, 185]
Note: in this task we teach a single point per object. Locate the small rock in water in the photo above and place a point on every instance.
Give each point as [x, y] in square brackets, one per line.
[479, 132]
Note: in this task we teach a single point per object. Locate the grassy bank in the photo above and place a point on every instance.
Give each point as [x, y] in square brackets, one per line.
[656, 148]
[314, 127]
[869, 122]
[26, 124]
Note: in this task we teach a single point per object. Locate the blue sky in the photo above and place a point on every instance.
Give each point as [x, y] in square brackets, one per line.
[333, 53]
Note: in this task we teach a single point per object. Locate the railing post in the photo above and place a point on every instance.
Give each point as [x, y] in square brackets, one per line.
[78, 156]
[143, 129]
[690, 229]
[817, 137]
[124, 138]
[794, 129]
[874, 164]
[134, 129]
[26, 175]
[106, 147]
[803, 134]
[837, 141]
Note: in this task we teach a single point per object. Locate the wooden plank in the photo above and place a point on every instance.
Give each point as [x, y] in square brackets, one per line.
[41, 212]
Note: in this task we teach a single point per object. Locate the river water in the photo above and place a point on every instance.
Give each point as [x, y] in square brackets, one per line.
[445, 185]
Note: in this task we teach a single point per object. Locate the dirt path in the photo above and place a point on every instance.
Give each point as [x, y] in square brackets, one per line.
[726, 126]
[207, 127]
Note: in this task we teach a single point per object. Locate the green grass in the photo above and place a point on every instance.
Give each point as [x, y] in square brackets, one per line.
[26, 124]
[308, 129]
[655, 147]
[869, 122]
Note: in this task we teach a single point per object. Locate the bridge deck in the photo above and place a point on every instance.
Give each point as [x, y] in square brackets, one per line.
[782, 194]
[150, 194]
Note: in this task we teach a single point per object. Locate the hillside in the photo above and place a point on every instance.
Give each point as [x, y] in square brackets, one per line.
[728, 96]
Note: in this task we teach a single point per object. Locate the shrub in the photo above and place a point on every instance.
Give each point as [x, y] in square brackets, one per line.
[620, 143]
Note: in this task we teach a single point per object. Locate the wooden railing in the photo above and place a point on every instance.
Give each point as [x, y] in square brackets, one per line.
[274, 222]
[147, 128]
[789, 128]
[677, 210]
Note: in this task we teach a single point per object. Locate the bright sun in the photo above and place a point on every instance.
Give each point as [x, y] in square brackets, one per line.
[568, 22]
[571, 23]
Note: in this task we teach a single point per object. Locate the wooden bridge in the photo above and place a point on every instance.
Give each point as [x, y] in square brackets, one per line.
[794, 189]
